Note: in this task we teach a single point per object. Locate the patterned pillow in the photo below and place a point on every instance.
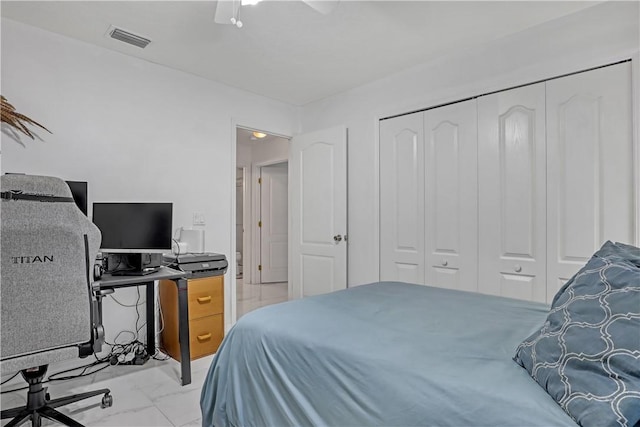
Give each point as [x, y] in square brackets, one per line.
[587, 354]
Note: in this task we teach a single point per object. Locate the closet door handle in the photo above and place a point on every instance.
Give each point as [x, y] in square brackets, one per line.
[517, 269]
[337, 238]
[202, 300]
[445, 263]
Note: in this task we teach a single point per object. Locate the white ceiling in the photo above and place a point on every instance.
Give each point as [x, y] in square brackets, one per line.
[286, 50]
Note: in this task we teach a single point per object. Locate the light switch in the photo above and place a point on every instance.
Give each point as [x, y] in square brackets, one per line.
[198, 218]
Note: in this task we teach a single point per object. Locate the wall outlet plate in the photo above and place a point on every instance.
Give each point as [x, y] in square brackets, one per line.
[198, 218]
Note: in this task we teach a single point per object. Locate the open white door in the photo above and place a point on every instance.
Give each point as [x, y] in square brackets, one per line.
[274, 224]
[318, 214]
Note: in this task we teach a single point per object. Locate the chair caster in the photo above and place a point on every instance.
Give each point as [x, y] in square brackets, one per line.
[107, 401]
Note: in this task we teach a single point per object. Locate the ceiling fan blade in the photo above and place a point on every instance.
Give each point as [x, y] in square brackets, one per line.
[225, 10]
[323, 6]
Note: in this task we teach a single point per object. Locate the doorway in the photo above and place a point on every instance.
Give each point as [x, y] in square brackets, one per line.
[261, 241]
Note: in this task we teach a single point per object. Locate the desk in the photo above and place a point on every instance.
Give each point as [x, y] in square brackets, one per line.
[108, 281]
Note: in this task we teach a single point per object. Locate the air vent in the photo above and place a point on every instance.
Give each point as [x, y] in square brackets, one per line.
[127, 37]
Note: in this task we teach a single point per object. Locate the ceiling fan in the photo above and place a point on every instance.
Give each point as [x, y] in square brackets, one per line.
[227, 11]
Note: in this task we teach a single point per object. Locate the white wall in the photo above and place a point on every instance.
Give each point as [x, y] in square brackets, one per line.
[257, 152]
[136, 131]
[275, 150]
[592, 37]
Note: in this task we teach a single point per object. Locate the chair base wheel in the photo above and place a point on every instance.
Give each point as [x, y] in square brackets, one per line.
[107, 401]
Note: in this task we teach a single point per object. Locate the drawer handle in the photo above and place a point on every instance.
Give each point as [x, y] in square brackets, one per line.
[204, 337]
[202, 300]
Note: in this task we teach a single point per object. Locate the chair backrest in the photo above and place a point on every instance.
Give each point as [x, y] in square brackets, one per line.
[48, 251]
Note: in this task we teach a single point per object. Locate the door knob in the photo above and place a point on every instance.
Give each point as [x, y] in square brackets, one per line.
[445, 263]
[517, 268]
[337, 238]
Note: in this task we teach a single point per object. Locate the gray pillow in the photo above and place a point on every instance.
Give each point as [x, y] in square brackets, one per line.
[587, 354]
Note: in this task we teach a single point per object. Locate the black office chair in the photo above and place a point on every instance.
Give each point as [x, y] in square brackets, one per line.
[49, 311]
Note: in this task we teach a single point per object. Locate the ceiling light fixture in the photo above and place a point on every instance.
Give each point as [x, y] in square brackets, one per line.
[259, 135]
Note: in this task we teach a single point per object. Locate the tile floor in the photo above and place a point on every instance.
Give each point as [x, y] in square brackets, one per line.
[252, 296]
[148, 395]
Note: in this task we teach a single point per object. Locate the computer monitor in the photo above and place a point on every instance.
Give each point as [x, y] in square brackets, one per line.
[134, 236]
[134, 227]
[79, 193]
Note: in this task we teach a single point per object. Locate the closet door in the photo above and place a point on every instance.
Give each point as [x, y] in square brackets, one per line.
[590, 167]
[512, 193]
[451, 206]
[402, 199]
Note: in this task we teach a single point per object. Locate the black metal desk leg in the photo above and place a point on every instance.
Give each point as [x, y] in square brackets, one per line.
[151, 318]
[183, 330]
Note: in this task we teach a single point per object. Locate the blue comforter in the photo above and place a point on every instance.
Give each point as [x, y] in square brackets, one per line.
[385, 354]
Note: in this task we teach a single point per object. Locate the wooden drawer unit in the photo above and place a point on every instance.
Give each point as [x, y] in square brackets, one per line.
[206, 297]
[205, 335]
[206, 316]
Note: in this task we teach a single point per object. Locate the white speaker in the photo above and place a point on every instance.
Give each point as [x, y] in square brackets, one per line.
[194, 238]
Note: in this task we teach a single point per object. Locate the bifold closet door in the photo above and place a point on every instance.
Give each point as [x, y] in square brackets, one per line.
[451, 206]
[512, 193]
[402, 199]
[590, 167]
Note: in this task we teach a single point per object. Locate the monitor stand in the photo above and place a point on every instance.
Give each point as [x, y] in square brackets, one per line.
[135, 264]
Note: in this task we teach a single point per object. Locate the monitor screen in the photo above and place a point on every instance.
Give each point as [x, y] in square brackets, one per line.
[79, 193]
[134, 227]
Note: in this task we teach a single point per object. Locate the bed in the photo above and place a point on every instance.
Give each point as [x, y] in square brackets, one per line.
[385, 354]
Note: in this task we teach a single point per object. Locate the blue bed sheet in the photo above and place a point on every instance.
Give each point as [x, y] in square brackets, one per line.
[385, 354]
